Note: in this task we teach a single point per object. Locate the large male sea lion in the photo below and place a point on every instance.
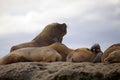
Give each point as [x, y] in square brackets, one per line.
[51, 33]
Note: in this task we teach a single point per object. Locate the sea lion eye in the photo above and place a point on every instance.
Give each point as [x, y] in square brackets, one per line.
[55, 39]
[94, 49]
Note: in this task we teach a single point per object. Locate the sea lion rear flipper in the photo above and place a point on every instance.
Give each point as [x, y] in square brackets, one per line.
[23, 59]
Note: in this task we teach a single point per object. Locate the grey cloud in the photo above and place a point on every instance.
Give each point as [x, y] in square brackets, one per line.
[12, 39]
[88, 23]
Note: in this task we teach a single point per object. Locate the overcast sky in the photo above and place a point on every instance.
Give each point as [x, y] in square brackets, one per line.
[88, 21]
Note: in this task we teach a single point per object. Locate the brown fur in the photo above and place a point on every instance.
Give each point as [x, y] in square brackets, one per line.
[113, 57]
[62, 49]
[51, 33]
[80, 55]
[109, 50]
[37, 54]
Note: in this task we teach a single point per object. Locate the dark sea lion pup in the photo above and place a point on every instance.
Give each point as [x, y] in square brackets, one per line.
[98, 53]
[51, 33]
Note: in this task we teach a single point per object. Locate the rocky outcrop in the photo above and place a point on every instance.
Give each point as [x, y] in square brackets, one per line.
[60, 71]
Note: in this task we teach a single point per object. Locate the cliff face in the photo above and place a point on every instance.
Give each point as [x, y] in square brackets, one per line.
[60, 71]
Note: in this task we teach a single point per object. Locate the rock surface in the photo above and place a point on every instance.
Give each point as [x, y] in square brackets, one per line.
[60, 71]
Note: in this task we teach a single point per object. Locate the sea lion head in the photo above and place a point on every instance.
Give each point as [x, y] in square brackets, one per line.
[96, 48]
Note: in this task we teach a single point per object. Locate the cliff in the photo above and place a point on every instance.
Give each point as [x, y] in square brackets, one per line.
[60, 71]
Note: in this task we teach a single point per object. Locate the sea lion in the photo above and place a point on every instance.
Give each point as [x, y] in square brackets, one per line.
[98, 53]
[113, 57]
[62, 49]
[109, 50]
[80, 55]
[51, 33]
[31, 54]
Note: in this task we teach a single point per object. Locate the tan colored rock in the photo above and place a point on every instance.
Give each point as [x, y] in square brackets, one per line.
[60, 71]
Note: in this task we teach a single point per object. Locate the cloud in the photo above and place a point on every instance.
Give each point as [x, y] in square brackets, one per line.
[12, 39]
[29, 15]
[89, 21]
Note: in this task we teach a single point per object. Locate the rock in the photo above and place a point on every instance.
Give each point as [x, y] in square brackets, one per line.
[60, 71]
